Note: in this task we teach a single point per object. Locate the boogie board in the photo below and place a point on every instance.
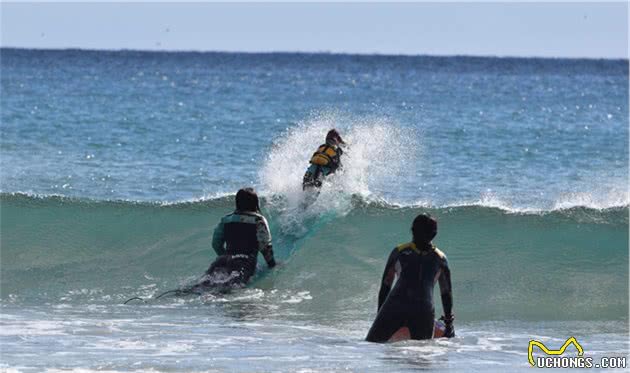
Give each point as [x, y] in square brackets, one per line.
[403, 334]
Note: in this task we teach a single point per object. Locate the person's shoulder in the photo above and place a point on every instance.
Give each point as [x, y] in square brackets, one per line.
[261, 218]
[439, 253]
[228, 218]
[241, 216]
[249, 216]
[254, 216]
[261, 223]
[405, 246]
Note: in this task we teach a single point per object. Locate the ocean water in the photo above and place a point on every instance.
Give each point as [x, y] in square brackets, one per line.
[116, 166]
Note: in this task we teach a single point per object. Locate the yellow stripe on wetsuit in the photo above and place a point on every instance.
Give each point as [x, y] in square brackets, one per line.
[412, 246]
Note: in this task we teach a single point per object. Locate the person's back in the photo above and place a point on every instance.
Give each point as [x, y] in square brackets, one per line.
[237, 239]
[240, 230]
[325, 161]
[417, 265]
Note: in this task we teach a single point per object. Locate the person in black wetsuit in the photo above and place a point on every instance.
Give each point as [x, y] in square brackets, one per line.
[418, 266]
[237, 240]
[325, 161]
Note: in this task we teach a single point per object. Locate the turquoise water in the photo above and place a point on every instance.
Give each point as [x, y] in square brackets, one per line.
[116, 166]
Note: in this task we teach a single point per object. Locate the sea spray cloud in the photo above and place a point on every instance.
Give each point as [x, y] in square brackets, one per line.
[379, 151]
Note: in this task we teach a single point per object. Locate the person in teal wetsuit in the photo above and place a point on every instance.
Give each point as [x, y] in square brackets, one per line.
[237, 239]
[418, 266]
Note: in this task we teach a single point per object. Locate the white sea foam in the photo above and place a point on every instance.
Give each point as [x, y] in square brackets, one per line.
[376, 153]
[595, 199]
[31, 328]
[598, 198]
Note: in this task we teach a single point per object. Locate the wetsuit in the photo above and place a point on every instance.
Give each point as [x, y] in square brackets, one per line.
[410, 303]
[237, 240]
[325, 161]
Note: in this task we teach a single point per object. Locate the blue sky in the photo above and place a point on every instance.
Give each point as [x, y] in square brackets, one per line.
[498, 29]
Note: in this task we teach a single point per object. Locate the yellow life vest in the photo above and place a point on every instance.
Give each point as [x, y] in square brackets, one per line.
[324, 155]
[412, 246]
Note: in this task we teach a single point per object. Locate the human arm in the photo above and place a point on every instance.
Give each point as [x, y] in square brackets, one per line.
[388, 278]
[446, 293]
[263, 235]
[218, 239]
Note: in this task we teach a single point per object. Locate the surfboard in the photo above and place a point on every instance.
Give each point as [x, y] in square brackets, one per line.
[403, 334]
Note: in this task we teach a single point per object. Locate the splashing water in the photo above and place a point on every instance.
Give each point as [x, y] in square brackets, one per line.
[376, 153]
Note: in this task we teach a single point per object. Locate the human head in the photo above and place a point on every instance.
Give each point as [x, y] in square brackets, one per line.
[424, 228]
[334, 138]
[247, 200]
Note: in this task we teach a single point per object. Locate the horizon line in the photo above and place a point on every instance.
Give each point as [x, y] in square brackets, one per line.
[330, 53]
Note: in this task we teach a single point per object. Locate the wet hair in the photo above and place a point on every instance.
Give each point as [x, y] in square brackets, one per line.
[247, 200]
[333, 135]
[424, 228]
